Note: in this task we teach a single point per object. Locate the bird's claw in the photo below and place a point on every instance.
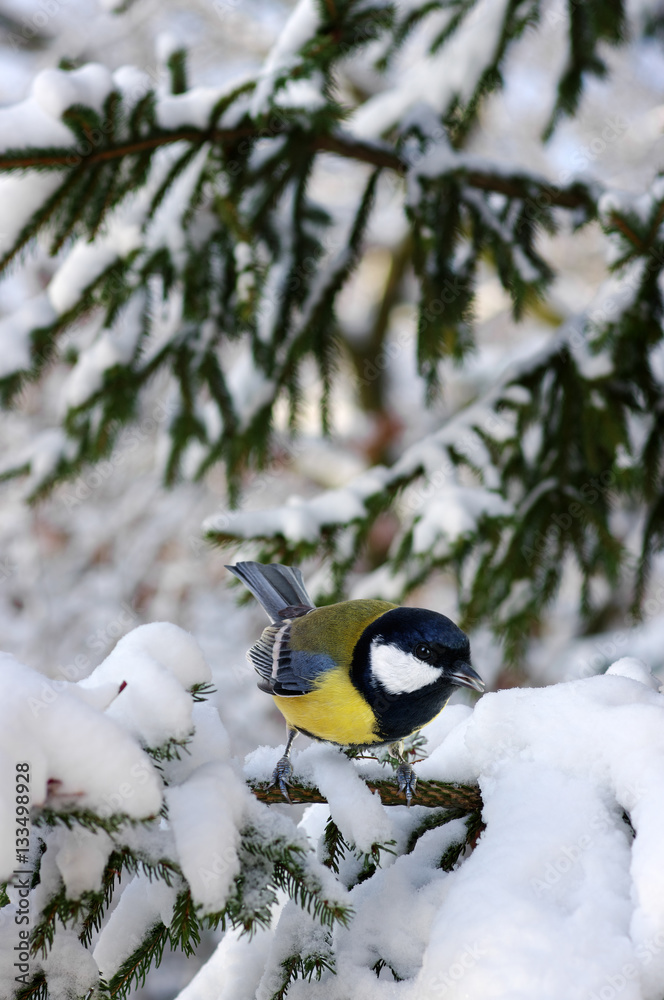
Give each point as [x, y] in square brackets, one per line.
[407, 780]
[280, 776]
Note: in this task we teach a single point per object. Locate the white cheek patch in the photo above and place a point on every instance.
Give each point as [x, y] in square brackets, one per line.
[400, 672]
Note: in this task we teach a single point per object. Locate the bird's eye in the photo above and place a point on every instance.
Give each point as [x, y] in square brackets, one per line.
[423, 652]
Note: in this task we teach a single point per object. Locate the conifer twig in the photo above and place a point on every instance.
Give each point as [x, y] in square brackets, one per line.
[374, 154]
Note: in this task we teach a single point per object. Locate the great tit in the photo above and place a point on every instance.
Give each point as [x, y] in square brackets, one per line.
[359, 673]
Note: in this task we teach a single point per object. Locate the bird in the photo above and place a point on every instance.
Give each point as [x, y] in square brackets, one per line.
[360, 673]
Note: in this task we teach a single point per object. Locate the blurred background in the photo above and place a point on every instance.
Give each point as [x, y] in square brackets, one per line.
[114, 549]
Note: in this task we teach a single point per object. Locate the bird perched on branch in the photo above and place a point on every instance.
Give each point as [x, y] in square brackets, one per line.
[359, 673]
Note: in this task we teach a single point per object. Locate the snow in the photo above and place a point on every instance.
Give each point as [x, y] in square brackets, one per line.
[455, 514]
[29, 124]
[45, 724]
[554, 861]
[206, 814]
[300, 28]
[166, 226]
[629, 666]
[143, 904]
[193, 108]
[453, 71]
[81, 858]
[408, 894]
[158, 662]
[557, 871]
[15, 333]
[355, 809]
[133, 83]
[112, 347]
[249, 387]
[70, 968]
[303, 520]
[86, 262]
[300, 935]
[82, 744]
[20, 196]
[55, 90]
[234, 970]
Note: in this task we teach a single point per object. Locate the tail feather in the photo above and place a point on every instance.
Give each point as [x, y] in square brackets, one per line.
[276, 587]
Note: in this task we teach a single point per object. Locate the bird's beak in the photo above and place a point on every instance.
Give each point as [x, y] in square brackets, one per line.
[463, 675]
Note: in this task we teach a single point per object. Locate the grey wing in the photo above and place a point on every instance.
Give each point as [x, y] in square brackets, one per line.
[280, 589]
[283, 671]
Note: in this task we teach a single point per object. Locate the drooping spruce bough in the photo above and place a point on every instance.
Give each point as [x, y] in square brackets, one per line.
[189, 242]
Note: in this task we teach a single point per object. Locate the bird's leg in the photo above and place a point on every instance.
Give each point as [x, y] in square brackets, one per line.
[284, 769]
[406, 776]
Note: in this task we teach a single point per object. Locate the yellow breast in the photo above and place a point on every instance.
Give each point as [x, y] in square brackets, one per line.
[335, 711]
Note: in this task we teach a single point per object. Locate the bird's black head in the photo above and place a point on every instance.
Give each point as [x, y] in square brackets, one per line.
[407, 663]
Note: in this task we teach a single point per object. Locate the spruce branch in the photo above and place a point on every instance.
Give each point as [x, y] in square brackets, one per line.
[512, 183]
[36, 989]
[432, 794]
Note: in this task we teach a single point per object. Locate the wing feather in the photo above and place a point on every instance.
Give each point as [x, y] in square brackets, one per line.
[282, 670]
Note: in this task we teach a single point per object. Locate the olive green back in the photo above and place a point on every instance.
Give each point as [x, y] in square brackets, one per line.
[335, 629]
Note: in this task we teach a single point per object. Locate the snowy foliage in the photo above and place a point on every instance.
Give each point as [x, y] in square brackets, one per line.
[194, 236]
[185, 260]
[133, 793]
[136, 801]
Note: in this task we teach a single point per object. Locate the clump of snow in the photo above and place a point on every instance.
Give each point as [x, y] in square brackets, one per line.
[249, 387]
[637, 670]
[166, 227]
[234, 970]
[453, 514]
[87, 261]
[28, 124]
[303, 520]
[301, 26]
[20, 197]
[112, 347]
[206, 813]
[453, 71]
[133, 83]
[556, 766]
[81, 858]
[356, 810]
[68, 744]
[82, 744]
[70, 969]
[143, 904]
[191, 108]
[158, 662]
[55, 90]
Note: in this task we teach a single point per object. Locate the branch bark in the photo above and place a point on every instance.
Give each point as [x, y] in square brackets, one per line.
[576, 195]
[433, 794]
